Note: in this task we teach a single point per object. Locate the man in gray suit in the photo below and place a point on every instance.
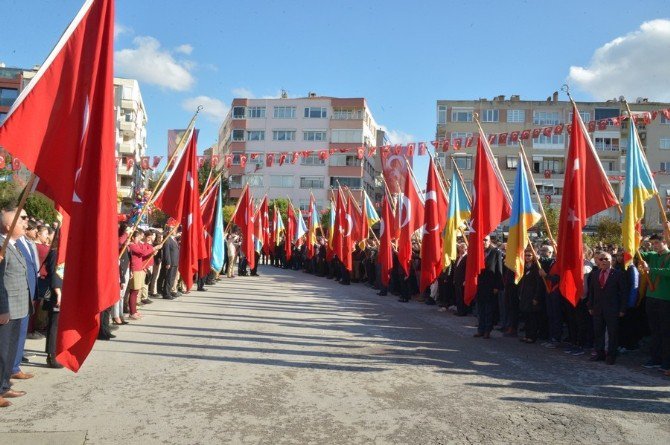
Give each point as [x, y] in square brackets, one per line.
[14, 298]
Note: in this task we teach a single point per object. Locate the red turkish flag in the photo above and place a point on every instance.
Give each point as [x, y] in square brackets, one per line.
[130, 162]
[410, 213]
[435, 217]
[323, 155]
[592, 126]
[359, 231]
[502, 138]
[264, 214]
[282, 159]
[514, 136]
[490, 207]
[602, 124]
[347, 236]
[269, 159]
[294, 157]
[525, 134]
[201, 161]
[360, 152]
[445, 145]
[208, 205]
[410, 149]
[385, 254]
[340, 222]
[244, 219]
[558, 129]
[145, 162]
[576, 208]
[290, 231]
[536, 133]
[422, 149]
[156, 161]
[372, 151]
[62, 127]
[547, 131]
[214, 161]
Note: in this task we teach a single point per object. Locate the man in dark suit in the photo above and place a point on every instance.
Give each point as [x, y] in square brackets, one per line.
[14, 298]
[607, 300]
[490, 282]
[170, 266]
[458, 279]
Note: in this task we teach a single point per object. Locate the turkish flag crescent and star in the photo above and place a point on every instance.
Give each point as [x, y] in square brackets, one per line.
[490, 208]
[290, 231]
[576, 209]
[410, 214]
[62, 128]
[435, 211]
[244, 219]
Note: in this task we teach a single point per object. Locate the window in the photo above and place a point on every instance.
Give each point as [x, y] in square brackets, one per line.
[340, 160]
[311, 182]
[463, 162]
[606, 143]
[255, 112]
[546, 118]
[255, 135]
[284, 112]
[554, 165]
[281, 181]
[664, 143]
[348, 113]
[352, 183]
[3, 115]
[664, 120]
[8, 96]
[235, 181]
[606, 113]
[460, 135]
[585, 115]
[553, 141]
[512, 162]
[283, 135]
[664, 166]
[611, 166]
[516, 116]
[238, 113]
[346, 136]
[254, 180]
[236, 158]
[461, 115]
[238, 135]
[315, 112]
[312, 159]
[314, 135]
[442, 114]
[490, 115]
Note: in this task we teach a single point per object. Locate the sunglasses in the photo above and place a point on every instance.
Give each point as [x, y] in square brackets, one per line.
[603, 259]
[24, 217]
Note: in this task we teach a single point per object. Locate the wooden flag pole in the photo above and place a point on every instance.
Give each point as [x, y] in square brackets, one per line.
[537, 194]
[212, 184]
[159, 246]
[26, 191]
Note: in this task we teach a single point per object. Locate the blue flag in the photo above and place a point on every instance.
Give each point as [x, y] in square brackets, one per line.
[218, 240]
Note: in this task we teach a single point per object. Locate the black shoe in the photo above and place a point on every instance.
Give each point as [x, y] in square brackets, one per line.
[146, 301]
[52, 363]
[597, 358]
[168, 297]
[201, 289]
[403, 300]
[430, 302]
[382, 294]
[106, 337]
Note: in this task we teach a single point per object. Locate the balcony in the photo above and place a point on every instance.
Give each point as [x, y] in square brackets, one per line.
[124, 191]
[126, 148]
[128, 104]
[128, 128]
[123, 170]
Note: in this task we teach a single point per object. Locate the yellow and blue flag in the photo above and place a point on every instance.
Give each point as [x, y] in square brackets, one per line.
[639, 187]
[369, 210]
[331, 229]
[523, 218]
[458, 214]
[279, 226]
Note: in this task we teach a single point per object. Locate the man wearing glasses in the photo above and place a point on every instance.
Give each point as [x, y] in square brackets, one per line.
[607, 302]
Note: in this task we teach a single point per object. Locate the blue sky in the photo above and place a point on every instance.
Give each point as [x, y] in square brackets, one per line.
[402, 56]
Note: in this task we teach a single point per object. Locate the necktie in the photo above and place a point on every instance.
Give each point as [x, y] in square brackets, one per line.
[603, 277]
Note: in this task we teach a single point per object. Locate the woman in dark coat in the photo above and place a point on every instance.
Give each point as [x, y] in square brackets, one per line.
[531, 297]
[52, 303]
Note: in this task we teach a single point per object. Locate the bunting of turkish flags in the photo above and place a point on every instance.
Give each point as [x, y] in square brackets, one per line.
[69, 104]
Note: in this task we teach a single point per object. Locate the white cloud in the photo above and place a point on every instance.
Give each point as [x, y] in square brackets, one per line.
[213, 109]
[634, 65]
[147, 62]
[184, 49]
[397, 136]
[119, 29]
[242, 92]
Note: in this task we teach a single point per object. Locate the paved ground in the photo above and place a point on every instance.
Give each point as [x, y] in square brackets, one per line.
[291, 358]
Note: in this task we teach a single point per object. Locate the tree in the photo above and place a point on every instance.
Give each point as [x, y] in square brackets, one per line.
[552, 220]
[203, 174]
[39, 206]
[282, 207]
[227, 213]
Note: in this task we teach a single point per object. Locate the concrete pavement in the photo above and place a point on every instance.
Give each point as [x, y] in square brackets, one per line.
[291, 358]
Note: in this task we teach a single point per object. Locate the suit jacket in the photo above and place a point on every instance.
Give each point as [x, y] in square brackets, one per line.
[612, 298]
[458, 272]
[171, 253]
[491, 277]
[14, 290]
[29, 251]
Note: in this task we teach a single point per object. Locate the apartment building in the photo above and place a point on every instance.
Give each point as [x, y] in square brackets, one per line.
[131, 140]
[257, 127]
[546, 154]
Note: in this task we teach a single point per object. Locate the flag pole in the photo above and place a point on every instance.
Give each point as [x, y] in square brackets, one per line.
[236, 207]
[212, 184]
[146, 206]
[26, 191]
[460, 178]
[351, 196]
[491, 159]
[160, 245]
[537, 194]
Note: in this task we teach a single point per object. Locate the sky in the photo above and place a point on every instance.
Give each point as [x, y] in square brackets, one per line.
[401, 56]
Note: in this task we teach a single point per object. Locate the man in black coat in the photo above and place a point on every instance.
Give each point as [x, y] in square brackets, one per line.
[490, 282]
[169, 266]
[457, 276]
[607, 300]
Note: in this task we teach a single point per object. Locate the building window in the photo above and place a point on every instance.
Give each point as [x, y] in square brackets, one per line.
[312, 160]
[284, 112]
[611, 166]
[606, 113]
[664, 143]
[546, 118]
[585, 115]
[314, 135]
[664, 166]
[254, 180]
[283, 135]
[346, 136]
[461, 115]
[255, 135]
[460, 135]
[553, 141]
[554, 165]
[235, 181]
[238, 112]
[512, 162]
[238, 135]
[606, 143]
[236, 158]
[347, 113]
[281, 181]
[490, 115]
[8, 96]
[516, 116]
[3, 115]
[345, 161]
[311, 182]
[255, 112]
[352, 183]
[315, 112]
[463, 162]
[442, 114]
[665, 120]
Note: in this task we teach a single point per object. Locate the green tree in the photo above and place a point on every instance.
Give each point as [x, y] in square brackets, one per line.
[39, 206]
[227, 213]
[282, 207]
[203, 174]
[552, 220]
[9, 193]
[158, 218]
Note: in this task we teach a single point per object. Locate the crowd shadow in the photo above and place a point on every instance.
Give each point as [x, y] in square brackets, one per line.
[358, 331]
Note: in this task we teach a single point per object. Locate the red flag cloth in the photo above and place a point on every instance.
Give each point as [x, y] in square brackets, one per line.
[264, 213]
[490, 207]
[576, 209]
[435, 212]
[347, 236]
[410, 213]
[310, 225]
[385, 254]
[208, 205]
[358, 224]
[340, 220]
[290, 231]
[171, 196]
[62, 128]
[244, 219]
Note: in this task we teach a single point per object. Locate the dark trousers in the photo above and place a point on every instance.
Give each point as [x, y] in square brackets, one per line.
[52, 330]
[461, 308]
[584, 323]
[9, 340]
[555, 316]
[254, 271]
[533, 320]
[658, 316]
[511, 308]
[105, 317]
[570, 315]
[611, 323]
[486, 304]
[168, 283]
